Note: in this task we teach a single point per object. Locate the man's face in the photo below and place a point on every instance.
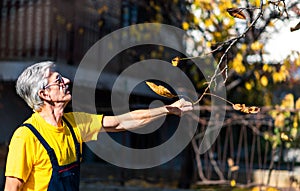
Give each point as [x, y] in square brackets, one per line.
[57, 88]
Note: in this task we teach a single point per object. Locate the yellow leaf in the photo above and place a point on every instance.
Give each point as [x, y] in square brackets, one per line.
[272, 189]
[279, 121]
[297, 105]
[256, 74]
[160, 90]
[265, 67]
[285, 137]
[257, 3]
[271, 24]
[243, 47]
[288, 101]
[264, 81]
[243, 108]
[196, 21]
[256, 46]
[295, 122]
[236, 12]
[253, 110]
[276, 77]
[175, 61]
[208, 44]
[294, 132]
[185, 26]
[248, 86]
[237, 64]
[232, 183]
[208, 22]
[197, 3]
[297, 62]
[238, 106]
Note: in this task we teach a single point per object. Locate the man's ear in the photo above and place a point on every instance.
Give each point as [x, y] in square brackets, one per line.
[44, 94]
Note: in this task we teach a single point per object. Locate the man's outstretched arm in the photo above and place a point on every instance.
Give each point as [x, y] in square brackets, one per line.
[139, 118]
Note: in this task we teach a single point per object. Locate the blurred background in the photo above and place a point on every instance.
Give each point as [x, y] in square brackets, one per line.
[256, 46]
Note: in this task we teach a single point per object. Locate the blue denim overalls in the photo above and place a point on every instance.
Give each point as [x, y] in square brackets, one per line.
[66, 177]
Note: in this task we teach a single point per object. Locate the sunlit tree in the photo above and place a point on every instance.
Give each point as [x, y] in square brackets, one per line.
[236, 33]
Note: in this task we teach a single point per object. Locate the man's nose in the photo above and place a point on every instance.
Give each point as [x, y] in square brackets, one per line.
[66, 80]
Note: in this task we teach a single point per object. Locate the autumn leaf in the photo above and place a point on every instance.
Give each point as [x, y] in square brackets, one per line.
[175, 61]
[243, 108]
[238, 106]
[285, 137]
[253, 109]
[236, 12]
[160, 90]
[297, 27]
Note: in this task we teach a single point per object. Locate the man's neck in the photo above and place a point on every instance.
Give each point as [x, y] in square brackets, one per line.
[52, 115]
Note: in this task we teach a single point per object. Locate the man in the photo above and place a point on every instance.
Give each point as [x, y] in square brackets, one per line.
[44, 152]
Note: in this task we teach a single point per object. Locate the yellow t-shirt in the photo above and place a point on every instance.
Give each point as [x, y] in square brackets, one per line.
[27, 158]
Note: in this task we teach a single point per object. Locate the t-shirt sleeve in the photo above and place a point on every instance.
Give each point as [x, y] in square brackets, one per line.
[20, 155]
[89, 125]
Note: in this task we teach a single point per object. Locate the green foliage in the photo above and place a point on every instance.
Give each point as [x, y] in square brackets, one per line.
[286, 123]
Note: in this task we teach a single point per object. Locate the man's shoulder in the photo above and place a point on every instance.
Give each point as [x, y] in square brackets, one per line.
[23, 132]
[78, 115]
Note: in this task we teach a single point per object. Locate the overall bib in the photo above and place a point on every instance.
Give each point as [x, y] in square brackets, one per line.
[65, 177]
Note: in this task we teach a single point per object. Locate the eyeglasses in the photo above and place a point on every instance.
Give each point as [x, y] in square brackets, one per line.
[58, 81]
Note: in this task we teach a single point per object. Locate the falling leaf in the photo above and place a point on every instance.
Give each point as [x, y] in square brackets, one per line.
[236, 12]
[297, 27]
[160, 90]
[175, 61]
[243, 108]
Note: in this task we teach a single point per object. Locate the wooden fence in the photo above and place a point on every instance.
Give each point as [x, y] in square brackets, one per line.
[241, 150]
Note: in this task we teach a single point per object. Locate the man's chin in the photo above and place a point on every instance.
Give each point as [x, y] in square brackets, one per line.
[68, 98]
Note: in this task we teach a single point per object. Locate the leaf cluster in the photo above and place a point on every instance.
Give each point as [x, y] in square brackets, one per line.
[286, 123]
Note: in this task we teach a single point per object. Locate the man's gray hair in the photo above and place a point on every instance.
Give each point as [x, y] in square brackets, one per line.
[33, 79]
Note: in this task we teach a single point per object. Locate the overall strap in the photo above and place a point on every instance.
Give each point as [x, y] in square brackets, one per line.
[49, 150]
[77, 145]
